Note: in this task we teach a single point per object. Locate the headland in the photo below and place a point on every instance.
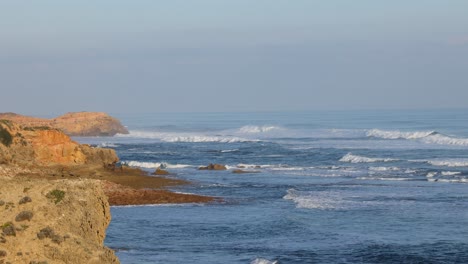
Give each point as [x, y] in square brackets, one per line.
[55, 193]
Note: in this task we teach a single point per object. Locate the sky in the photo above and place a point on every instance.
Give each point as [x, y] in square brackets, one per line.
[232, 55]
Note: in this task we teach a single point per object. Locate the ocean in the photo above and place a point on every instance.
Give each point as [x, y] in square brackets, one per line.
[331, 187]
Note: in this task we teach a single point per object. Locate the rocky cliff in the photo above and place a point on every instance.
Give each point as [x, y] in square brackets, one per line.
[73, 124]
[61, 221]
[44, 146]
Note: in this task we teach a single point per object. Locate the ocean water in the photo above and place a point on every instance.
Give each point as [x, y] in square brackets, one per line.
[332, 187]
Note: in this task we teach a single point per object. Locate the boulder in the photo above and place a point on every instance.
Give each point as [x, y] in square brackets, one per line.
[214, 167]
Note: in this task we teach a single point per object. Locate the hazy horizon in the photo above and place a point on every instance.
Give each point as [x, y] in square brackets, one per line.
[232, 56]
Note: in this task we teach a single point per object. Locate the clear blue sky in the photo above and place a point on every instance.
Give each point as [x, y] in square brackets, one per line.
[237, 55]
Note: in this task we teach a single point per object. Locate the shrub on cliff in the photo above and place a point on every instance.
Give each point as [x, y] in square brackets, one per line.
[23, 216]
[5, 137]
[8, 229]
[56, 195]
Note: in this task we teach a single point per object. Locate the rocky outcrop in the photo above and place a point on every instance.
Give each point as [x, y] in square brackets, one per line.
[73, 124]
[45, 147]
[62, 221]
[213, 167]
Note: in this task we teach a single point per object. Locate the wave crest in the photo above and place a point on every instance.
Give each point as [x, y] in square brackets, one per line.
[361, 159]
[429, 137]
[257, 129]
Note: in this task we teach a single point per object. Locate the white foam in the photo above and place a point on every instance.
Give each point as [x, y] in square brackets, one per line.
[361, 159]
[197, 139]
[263, 261]
[428, 137]
[313, 200]
[153, 165]
[257, 129]
[395, 134]
[384, 178]
[229, 150]
[461, 180]
[445, 140]
[431, 174]
[450, 173]
[448, 162]
[107, 145]
[384, 168]
[184, 137]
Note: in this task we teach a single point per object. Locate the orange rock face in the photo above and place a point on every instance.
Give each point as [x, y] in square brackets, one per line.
[45, 146]
[74, 124]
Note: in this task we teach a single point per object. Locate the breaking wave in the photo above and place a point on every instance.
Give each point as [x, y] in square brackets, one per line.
[263, 261]
[153, 165]
[198, 139]
[184, 137]
[257, 129]
[446, 162]
[107, 145]
[429, 137]
[361, 159]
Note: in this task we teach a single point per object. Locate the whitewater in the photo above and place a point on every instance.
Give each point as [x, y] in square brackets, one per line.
[328, 187]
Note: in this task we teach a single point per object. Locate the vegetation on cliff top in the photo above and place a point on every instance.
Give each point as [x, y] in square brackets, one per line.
[5, 137]
[57, 195]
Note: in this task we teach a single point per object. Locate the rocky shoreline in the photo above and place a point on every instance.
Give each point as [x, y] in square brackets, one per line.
[40, 162]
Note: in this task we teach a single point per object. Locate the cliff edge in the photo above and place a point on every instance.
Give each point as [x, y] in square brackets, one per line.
[87, 124]
[62, 221]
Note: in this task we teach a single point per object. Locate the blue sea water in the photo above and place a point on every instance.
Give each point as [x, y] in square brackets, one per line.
[332, 187]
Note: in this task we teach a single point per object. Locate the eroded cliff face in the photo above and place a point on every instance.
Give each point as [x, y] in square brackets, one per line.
[42, 146]
[61, 221]
[74, 124]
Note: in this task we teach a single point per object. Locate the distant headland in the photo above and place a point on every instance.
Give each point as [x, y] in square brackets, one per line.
[85, 124]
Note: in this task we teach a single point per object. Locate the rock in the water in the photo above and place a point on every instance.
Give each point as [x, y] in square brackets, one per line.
[161, 172]
[213, 167]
